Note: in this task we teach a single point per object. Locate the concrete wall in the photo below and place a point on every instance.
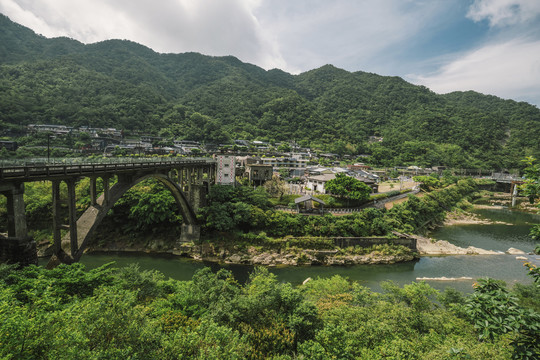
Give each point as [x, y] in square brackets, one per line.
[344, 242]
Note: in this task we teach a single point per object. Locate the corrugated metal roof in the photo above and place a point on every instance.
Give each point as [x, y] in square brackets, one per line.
[307, 198]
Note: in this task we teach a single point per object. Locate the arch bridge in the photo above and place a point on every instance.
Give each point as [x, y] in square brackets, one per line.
[186, 179]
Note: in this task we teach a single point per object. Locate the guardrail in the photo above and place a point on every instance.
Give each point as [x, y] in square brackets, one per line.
[98, 160]
[37, 170]
[318, 210]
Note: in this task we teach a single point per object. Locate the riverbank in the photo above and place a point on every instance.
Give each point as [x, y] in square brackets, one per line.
[428, 246]
[467, 218]
[465, 235]
[504, 200]
[256, 255]
[253, 255]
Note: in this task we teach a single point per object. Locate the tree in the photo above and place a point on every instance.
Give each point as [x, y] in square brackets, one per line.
[495, 311]
[531, 188]
[394, 174]
[4, 153]
[284, 173]
[275, 187]
[428, 183]
[348, 187]
[233, 208]
[284, 147]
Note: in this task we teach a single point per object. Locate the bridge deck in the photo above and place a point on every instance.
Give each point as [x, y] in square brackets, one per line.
[36, 172]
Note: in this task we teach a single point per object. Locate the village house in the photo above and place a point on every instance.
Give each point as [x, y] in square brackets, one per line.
[186, 146]
[317, 182]
[55, 129]
[258, 174]
[317, 177]
[254, 169]
[296, 166]
[358, 166]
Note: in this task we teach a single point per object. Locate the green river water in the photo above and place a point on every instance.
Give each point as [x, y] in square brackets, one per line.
[492, 237]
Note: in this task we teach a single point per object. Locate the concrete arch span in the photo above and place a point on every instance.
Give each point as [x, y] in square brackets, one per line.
[89, 221]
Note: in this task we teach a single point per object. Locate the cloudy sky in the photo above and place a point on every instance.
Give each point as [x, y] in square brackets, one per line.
[491, 46]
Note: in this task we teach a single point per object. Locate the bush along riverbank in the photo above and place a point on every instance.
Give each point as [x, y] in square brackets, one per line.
[241, 226]
[108, 313]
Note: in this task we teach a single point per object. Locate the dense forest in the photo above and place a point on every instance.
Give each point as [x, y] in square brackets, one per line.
[125, 85]
[107, 313]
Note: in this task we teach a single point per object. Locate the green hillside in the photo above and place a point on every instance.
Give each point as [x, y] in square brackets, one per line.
[216, 99]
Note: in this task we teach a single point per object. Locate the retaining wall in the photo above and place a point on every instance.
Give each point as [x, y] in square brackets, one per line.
[344, 242]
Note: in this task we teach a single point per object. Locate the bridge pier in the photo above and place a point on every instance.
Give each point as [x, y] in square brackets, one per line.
[190, 233]
[18, 247]
[197, 196]
[16, 211]
[72, 218]
[93, 191]
[106, 192]
[57, 224]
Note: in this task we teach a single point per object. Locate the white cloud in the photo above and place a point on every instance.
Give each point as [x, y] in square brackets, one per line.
[292, 35]
[224, 27]
[504, 12]
[508, 70]
[386, 37]
[350, 34]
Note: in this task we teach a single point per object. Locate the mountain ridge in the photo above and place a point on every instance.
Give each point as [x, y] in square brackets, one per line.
[123, 84]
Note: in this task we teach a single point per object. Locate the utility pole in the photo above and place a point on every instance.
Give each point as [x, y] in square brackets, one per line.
[48, 148]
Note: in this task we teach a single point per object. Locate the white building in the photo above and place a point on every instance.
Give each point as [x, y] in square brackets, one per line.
[317, 182]
[225, 170]
[286, 162]
[55, 129]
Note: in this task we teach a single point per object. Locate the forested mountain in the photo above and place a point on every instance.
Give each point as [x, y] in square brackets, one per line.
[216, 99]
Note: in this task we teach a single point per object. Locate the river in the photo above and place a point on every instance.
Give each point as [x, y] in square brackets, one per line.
[493, 237]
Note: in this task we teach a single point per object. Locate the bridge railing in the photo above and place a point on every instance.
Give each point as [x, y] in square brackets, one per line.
[99, 160]
[34, 168]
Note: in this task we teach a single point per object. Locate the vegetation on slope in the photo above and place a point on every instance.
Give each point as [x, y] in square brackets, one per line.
[109, 313]
[531, 189]
[125, 85]
[148, 208]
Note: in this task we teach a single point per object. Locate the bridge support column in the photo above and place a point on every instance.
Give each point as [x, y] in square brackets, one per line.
[197, 192]
[180, 177]
[514, 191]
[93, 191]
[190, 233]
[72, 217]
[174, 175]
[18, 247]
[200, 175]
[57, 223]
[191, 173]
[16, 212]
[106, 195]
[195, 197]
[211, 175]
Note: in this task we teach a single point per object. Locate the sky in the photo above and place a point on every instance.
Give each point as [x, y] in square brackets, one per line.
[490, 46]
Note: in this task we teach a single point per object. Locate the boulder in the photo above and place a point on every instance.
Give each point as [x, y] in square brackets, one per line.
[514, 251]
